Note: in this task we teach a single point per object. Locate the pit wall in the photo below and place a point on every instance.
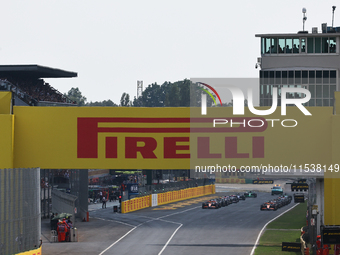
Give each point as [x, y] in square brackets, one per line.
[166, 198]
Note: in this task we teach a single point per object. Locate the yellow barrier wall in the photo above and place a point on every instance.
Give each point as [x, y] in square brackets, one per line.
[167, 197]
[136, 204]
[31, 252]
[178, 195]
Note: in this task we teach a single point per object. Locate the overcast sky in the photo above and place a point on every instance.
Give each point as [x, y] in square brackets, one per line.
[112, 44]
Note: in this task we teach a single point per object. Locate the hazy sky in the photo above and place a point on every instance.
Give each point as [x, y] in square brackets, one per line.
[112, 44]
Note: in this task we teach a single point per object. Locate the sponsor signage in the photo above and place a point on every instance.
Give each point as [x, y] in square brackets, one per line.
[263, 181]
[330, 235]
[293, 247]
[132, 188]
[299, 198]
[165, 138]
[177, 138]
[299, 186]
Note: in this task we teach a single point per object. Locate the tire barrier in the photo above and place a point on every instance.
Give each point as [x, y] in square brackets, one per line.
[166, 198]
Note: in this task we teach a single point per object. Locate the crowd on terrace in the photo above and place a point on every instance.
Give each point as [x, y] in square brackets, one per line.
[32, 91]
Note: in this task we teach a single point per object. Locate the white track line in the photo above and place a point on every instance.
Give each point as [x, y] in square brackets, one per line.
[258, 237]
[117, 240]
[151, 219]
[179, 212]
[134, 227]
[120, 222]
[170, 222]
[173, 234]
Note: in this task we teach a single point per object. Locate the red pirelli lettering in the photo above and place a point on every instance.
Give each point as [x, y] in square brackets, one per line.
[88, 130]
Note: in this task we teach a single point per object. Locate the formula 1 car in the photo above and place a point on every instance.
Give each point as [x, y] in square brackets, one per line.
[221, 202]
[228, 200]
[250, 194]
[289, 197]
[224, 201]
[286, 199]
[234, 199]
[211, 204]
[269, 206]
[279, 202]
[241, 196]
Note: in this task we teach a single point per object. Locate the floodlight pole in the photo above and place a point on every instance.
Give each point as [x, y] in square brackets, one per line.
[304, 19]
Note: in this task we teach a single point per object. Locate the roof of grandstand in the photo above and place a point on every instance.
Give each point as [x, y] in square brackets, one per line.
[34, 71]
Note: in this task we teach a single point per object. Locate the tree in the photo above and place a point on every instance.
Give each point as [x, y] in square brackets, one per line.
[74, 94]
[231, 103]
[153, 96]
[196, 96]
[125, 100]
[174, 96]
[137, 102]
[103, 103]
[166, 95]
[184, 90]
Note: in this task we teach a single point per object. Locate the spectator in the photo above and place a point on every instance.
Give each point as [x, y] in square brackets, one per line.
[33, 90]
[104, 203]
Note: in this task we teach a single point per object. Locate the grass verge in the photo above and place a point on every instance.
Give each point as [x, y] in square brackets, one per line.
[294, 219]
[277, 232]
[276, 237]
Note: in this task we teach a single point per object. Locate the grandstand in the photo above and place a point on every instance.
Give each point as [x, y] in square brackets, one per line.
[28, 87]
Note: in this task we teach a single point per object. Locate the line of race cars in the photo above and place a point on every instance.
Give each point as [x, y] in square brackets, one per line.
[276, 203]
[227, 200]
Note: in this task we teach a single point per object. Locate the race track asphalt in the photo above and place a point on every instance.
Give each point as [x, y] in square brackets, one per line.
[188, 229]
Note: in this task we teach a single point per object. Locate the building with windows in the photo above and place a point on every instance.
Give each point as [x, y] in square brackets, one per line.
[308, 60]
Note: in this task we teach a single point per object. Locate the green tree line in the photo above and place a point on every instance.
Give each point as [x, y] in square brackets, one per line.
[178, 94]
